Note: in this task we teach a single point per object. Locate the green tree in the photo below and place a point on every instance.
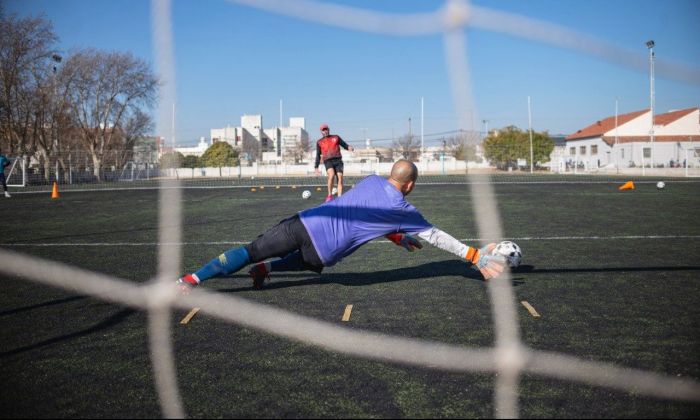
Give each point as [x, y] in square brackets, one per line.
[504, 147]
[190, 161]
[171, 160]
[218, 155]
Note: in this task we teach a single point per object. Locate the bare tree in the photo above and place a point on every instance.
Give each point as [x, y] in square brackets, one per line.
[135, 128]
[407, 146]
[25, 75]
[463, 145]
[51, 118]
[109, 89]
[250, 148]
[297, 153]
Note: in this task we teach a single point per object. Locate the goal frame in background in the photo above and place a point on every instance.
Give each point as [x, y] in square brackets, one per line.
[17, 176]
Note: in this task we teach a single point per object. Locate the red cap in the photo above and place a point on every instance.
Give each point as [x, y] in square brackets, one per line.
[324, 127]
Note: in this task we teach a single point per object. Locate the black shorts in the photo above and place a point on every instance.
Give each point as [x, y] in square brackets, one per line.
[287, 236]
[335, 163]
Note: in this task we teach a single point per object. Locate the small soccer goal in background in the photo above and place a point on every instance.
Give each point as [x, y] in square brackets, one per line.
[16, 176]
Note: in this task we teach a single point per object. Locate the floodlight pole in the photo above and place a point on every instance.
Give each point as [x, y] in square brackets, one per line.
[617, 152]
[172, 127]
[57, 60]
[650, 46]
[529, 118]
[422, 147]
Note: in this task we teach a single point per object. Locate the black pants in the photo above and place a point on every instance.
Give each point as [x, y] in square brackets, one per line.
[4, 181]
[287, 236]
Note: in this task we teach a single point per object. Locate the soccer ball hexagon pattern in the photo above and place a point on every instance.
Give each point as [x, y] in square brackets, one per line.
[511, 251]
[306, 194]
[660, 184]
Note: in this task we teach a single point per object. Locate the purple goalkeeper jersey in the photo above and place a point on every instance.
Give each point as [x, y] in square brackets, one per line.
[371, 209]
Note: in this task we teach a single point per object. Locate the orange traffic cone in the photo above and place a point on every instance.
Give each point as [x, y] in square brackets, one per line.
[629, 185]
[54, 193]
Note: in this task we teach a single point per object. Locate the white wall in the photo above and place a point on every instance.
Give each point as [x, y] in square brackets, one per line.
[354, 169]
[600, 159]
[687, 125]
[252, 123]
[198, 150]
[639, 126]
[297, 122]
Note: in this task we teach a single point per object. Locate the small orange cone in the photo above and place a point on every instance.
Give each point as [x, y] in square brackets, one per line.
[54, 193]
[629, 185]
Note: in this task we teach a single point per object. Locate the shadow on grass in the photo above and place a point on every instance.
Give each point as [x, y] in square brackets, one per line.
[41, 305]
[109, 322]
[532, 269]
[449, 268]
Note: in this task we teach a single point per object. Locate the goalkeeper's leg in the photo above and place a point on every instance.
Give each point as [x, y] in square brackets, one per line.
[292, 262]
[227, 263]
[279, 241]
[292, 243]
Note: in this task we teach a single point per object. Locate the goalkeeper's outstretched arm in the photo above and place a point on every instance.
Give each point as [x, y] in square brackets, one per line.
[489, 265]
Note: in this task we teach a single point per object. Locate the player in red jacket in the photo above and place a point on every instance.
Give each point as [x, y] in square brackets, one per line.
[328, 149]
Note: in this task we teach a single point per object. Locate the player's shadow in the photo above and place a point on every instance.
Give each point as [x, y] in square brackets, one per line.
[41, 305]
[428, 271]
[529, 269]
[532, 269]
[108, 322]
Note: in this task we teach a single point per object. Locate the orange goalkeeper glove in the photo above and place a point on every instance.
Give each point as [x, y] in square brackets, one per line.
[488, 264]
[405, 240]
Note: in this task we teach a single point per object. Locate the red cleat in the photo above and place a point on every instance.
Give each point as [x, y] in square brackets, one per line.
[259, 274]
[186, 283]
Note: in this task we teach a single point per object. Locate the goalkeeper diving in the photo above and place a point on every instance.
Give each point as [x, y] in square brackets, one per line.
[322, 236]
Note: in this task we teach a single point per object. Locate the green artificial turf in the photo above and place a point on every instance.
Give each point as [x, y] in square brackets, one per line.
[615, 276]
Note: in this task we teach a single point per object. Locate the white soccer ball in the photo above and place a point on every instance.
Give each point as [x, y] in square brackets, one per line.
[334, 191]
[306, 194]
[660, 184]
[511, 251]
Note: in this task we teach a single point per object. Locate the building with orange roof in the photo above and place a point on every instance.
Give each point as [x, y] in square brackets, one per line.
[625, 140]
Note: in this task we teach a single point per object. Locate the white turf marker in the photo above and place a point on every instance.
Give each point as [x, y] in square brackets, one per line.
[530, 309]
[346, 315]
[189, 316]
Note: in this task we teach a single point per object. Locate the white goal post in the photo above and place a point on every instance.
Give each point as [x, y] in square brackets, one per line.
[17, 175]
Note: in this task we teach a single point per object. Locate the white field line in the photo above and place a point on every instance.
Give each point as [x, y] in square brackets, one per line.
[524, 238]
[315, 183]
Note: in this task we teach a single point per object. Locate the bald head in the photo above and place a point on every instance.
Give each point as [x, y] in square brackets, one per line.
[404, 172]
[403, 176]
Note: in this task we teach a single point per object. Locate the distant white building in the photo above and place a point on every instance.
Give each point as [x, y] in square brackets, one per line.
[252, 138]
[197, 150]
[626, 141]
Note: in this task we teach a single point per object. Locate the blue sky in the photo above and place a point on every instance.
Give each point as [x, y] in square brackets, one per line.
[233, 60]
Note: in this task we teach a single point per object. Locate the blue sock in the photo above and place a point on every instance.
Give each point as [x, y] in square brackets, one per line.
[292, 262]
[227, 263]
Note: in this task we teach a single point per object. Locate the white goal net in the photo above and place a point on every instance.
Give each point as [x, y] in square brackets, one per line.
[509, 359]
